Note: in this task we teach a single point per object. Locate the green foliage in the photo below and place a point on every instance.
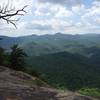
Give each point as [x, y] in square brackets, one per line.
[32, 72]
[95, 92]
[17, 58]
[71, 71]
[2, 55]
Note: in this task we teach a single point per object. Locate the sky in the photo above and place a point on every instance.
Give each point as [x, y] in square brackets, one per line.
[53, 16]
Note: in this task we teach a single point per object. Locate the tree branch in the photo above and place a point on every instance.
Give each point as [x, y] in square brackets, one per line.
[7, 14]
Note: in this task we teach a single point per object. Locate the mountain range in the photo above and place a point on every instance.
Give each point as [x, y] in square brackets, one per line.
[70, 61]
[44, 44]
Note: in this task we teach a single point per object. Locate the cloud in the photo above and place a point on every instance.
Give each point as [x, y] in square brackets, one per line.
[16, 3]
[41, 27]
[60, 11]
[50, 10]
[78, 9]
[51, 16]
[63, 2]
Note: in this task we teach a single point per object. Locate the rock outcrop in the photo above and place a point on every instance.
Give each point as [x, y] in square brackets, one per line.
[18, 86]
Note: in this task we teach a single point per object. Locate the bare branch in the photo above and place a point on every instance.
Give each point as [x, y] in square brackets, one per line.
[7, 14]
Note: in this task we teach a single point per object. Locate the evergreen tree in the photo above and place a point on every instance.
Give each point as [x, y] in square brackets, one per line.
[2, 55]
[17, 58]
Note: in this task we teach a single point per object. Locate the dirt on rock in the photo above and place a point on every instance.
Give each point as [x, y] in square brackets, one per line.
[17, 86]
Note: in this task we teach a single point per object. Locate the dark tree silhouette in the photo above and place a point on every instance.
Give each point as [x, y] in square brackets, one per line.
[17, 58]
[7, 13]
[2, 55]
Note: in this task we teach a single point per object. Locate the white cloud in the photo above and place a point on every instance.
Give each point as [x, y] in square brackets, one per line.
[61, 11]
[97, 20]
[78, 9]
[16, 3]
[41, 9]
[51, 16]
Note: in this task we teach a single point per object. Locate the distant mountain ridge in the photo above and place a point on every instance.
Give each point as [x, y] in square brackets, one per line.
[45, 44]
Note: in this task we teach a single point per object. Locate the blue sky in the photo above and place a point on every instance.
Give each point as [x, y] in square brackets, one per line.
[52, 16]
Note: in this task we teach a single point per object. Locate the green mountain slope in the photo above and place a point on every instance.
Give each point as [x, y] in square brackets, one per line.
[72, 71]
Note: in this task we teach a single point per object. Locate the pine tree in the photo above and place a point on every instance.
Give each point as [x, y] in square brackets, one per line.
[17, 56]
[2, 54]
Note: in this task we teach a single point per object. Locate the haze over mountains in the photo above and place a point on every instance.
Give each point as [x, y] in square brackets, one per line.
[45, 44]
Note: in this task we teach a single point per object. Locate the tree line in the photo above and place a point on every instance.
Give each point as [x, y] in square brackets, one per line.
[14, 59]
